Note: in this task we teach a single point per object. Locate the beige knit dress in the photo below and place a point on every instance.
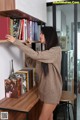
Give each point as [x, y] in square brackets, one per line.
[50, 87]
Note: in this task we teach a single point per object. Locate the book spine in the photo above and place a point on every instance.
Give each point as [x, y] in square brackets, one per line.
[27, 80]
[11, 27]
[28, 29]
[19, 86]
[30, 79]
[31, 30]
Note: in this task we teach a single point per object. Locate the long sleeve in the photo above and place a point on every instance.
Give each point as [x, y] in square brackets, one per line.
[47, 56]
[29, 61]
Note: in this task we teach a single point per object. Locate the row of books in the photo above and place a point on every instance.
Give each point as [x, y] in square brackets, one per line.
[22, 29]
[21, 83]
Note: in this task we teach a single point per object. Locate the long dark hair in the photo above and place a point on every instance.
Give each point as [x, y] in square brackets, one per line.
[51, 41]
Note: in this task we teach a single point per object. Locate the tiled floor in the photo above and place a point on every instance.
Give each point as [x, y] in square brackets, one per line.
[78, 107]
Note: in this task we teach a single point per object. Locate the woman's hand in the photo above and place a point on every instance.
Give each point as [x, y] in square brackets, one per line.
[10, 38]
[29, 41]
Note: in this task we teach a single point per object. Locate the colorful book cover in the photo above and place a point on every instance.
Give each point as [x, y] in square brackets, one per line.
[4, 27]
[16, 27]
[25, 29]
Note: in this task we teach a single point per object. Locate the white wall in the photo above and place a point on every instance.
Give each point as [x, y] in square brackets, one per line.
[8, 52]
[49, 0]
[35, 8]
[49, 16]
[52, 0]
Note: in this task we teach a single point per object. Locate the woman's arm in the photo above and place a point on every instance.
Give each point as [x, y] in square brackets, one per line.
[47, 56]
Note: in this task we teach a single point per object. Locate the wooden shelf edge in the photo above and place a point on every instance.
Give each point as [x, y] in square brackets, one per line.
[18, 14]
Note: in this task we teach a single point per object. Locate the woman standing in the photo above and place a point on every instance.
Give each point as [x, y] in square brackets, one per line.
[48, 68]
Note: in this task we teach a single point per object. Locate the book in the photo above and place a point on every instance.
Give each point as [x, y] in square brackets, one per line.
[4, 27]
[23, 77]
[16, 27]
[31, 28]
[12, 88]
[28, 29]
[33, 77]
[36, 30]
[29, 77]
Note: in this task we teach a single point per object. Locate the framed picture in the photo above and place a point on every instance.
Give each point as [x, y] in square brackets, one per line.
[63, 42]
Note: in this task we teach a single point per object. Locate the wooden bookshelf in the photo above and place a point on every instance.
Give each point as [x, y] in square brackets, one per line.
[27, 103]
[18, 104]
[18, 15]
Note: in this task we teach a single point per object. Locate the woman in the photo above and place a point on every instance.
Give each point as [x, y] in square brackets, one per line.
[48, 65]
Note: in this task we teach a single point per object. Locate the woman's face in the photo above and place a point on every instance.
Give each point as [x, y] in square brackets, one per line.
[42, 38]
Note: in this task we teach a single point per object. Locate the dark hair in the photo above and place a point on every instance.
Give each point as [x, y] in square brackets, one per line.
[51, 41]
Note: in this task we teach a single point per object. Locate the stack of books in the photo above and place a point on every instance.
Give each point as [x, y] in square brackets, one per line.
[22, 29]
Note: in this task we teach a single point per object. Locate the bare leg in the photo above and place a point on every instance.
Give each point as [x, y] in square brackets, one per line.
[47, 110]
[51, 117]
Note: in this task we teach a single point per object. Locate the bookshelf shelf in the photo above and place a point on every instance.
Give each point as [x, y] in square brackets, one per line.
[17, 14]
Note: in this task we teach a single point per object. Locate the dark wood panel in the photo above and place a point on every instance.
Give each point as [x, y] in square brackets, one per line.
[2, 5]
[14, 115]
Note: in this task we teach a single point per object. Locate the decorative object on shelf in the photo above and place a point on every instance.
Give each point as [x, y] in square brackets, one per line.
[63, 43]
[11, 76]
[27, 75]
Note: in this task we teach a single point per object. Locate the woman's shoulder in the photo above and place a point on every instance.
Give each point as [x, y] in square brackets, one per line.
[56, 48]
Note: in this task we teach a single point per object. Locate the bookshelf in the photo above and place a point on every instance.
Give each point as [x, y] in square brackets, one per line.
[15, 9]
[31, 10]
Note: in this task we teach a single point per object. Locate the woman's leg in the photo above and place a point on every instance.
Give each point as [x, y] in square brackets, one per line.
[47, 111]
[51, 117]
